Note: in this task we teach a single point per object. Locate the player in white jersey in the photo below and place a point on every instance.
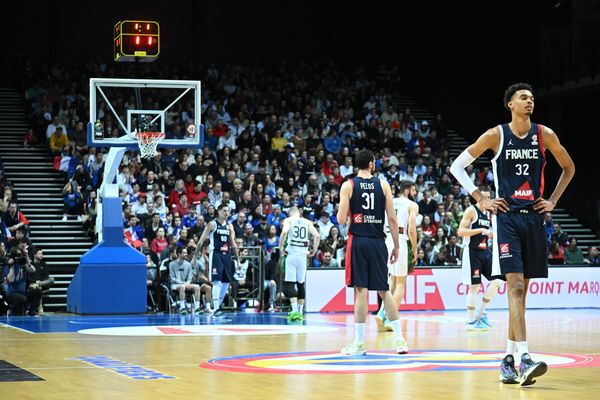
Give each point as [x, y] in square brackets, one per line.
[293, 245]
[406, 212]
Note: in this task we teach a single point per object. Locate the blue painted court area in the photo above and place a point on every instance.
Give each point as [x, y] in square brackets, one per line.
[64, 323]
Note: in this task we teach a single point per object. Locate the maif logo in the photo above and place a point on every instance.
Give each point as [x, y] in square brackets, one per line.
[372, 362]
[421, 293]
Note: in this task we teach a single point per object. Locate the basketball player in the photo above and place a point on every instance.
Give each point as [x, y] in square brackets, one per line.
[293, 245]
[366, 200]
[476, 261]
[519, 248]
[406, 212]
[222, 240]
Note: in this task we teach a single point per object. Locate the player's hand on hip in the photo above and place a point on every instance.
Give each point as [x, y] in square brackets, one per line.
[394, 255]
[494, 205]
[540, 205]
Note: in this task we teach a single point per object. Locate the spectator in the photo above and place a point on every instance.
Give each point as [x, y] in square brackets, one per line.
[328, 261]
[14, 277]
[592, 257]
[39, 281]
[549, 225]
[324, 224]
[558, 235]
[556, 253]
[15, 219]
[573, 254]
[180, 275]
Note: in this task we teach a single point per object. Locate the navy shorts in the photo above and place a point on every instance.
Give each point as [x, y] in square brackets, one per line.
[480, 263]
[367, 263]
[220, 266]
[521, 243]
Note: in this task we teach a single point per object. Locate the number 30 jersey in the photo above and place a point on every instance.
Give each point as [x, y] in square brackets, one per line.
[297, 237]
[519, 167]
[367, 207]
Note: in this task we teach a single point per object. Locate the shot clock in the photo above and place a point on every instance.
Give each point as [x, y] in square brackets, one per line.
[136, 41]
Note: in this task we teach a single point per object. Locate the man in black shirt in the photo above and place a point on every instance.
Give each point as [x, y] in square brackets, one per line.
[38, 282]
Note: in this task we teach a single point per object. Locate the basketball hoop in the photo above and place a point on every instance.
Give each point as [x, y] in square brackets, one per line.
[148, 141]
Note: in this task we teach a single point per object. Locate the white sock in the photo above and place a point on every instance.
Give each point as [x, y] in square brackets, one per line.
[471, 300]
[300, 308]
[488, 296]
[522, 348]
[223, 292]
[511, 346]
[359, 332]
[294, 307]
[216, 291]
[181, 303]
[196, 305]
[397, 329]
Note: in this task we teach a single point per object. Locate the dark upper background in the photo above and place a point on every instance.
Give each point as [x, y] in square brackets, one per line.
[456, 58]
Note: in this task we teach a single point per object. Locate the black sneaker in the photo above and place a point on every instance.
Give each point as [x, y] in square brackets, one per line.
[508, 372]
[530, 369]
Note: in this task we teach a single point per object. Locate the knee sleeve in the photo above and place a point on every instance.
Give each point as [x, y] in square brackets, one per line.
[289, 289]
[301, 292]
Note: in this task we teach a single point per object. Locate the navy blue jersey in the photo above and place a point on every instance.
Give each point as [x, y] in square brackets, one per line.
[479, 241]
[367, 207]
[220, 237]
[519, 167]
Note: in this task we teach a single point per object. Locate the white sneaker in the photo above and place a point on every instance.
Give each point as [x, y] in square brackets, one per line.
[401, 346]
[354, 349]
[64, 218]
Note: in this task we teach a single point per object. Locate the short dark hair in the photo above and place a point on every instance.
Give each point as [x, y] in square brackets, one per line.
[363, 158]
[406, 184]
[514, 88]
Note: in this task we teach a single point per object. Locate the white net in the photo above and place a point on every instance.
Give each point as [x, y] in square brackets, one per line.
[148, 142]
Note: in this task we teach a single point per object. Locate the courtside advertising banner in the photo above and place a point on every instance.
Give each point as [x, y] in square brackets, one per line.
[442, 289]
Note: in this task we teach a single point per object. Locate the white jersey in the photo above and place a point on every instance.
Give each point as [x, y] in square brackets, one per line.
[297, 238]
[401, 209]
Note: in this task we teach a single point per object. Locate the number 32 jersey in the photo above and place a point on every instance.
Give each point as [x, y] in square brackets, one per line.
[367, 207]
[519, 167]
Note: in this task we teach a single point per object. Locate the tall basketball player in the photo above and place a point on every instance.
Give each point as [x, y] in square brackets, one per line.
[475, 228]
[519, 249]
[406, 211]
[293, 246]
[366, 200]
[222, 241]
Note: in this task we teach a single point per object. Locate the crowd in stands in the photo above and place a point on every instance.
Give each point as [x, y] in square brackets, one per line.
[273, 140]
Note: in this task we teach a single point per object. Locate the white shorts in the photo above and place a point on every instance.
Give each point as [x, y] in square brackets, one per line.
[400, 267]
[295, 268]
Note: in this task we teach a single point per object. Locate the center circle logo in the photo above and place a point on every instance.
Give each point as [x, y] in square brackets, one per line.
[380, 361]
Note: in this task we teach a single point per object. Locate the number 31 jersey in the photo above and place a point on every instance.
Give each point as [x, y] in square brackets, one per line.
[367, 207]
[519, 167]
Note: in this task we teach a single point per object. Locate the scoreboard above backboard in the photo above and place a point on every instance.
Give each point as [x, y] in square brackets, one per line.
[136, 41]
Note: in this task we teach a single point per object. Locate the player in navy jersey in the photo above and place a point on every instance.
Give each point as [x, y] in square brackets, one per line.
[366, 200]
[519, 248]
[222, 242]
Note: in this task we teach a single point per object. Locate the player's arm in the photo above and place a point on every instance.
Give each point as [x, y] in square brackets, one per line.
[551, 142]
[489, 140]
[316, 238]
[345, 194]
[413, 211]
[283, 236]
[207, 230]
[233, 243]
[392, 220]
[465, 222]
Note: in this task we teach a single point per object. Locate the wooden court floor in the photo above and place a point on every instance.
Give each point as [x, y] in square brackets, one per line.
[262, 356]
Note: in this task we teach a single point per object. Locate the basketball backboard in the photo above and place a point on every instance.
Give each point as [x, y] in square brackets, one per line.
[121, 107]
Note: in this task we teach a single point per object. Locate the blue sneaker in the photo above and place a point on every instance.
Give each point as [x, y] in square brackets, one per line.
[484, 320]
[508, 372]
[476, 325]
[529, 369]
